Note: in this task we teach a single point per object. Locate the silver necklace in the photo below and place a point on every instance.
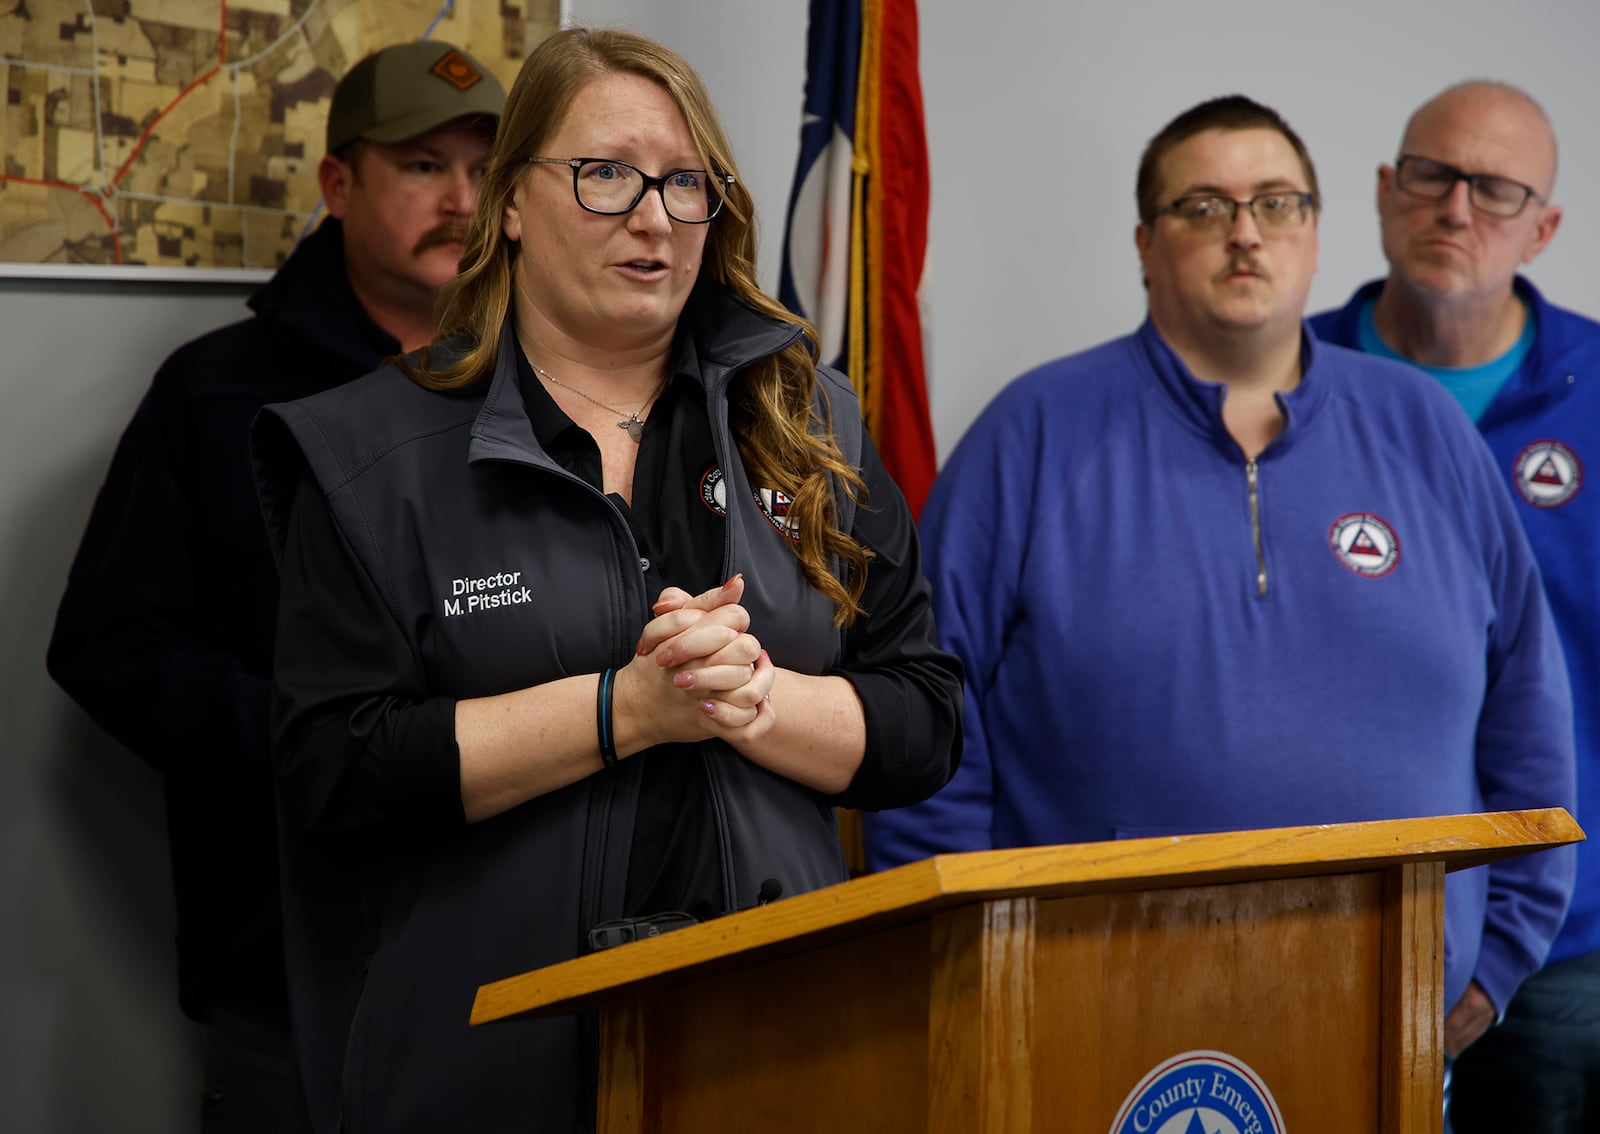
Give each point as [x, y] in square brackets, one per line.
[633, 423]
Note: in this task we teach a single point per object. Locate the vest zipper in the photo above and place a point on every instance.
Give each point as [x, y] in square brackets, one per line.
[597, 833]
[590, 898]
[1255, 524]
[719, 809]
[722, 446]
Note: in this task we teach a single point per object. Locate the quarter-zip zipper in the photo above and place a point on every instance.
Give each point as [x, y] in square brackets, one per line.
[1255, 524]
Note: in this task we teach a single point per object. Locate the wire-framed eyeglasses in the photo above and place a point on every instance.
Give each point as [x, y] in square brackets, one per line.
[611, 188]
[1488, 192]
[1208, 212]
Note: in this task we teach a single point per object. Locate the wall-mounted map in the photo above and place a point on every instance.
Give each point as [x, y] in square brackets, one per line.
[186, 133]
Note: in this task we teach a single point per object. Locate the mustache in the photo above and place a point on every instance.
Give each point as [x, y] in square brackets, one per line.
[1243, 264]
[446, 233]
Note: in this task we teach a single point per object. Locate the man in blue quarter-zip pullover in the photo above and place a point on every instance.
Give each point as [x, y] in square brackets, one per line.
[1217, 574]
[1464, 205]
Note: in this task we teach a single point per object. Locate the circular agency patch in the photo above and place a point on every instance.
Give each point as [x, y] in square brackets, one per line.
[1365, 543]
[775, 505]
[1200, 1092]
[714, 490]
[1548, 474]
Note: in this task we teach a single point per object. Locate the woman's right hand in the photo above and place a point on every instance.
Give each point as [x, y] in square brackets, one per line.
[697, 673]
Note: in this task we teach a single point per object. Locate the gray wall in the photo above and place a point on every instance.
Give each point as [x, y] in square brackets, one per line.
[92, 1039]
[1029, 92]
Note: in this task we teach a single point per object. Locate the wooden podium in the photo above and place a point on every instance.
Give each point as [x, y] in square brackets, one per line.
[1034, 989]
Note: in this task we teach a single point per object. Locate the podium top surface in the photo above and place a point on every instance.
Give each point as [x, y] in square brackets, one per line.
[919, 888]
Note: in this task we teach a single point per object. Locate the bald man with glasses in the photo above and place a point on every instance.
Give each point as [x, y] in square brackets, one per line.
[1463, 208]
[1219, 575]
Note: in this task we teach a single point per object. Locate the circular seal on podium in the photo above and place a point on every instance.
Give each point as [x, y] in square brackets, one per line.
[1200, 1092]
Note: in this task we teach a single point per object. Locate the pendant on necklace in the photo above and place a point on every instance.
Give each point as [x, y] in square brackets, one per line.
[635, 428]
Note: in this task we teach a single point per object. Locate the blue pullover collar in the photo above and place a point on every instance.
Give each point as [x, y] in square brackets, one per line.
[1199, 403]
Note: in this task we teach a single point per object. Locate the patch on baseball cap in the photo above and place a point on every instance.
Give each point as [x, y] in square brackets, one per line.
[457, 70]
[408, 89]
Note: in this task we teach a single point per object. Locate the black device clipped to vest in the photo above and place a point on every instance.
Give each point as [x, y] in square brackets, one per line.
[626, 929]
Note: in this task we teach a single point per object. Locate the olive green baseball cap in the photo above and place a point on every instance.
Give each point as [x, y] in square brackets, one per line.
[408, 89]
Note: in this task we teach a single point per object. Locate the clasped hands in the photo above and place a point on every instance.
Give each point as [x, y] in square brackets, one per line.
[697, 673]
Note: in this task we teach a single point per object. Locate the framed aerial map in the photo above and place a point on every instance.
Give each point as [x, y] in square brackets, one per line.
[161, 137]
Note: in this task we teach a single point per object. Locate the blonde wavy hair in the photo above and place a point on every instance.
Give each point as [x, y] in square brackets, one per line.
[785, 442]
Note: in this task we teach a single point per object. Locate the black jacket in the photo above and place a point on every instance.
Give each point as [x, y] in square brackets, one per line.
[165, 632]
[397, 909]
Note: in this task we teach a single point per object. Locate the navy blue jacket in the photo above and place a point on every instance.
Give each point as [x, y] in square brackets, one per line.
[1544, 431]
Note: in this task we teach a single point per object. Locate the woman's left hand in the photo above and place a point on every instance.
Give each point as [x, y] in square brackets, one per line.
[724, 669]
[822, 738]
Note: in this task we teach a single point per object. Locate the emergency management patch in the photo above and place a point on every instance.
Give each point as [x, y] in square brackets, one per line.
[1365, 543]
[1200, 1092]
[1548, 474]
[774, 504]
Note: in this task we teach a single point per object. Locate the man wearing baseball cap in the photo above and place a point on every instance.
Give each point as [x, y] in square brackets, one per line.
[408, 138]
[165, 632]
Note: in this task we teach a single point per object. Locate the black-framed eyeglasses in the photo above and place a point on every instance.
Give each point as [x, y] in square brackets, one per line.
[1280, 209]
[612, 188]
[1488, 192]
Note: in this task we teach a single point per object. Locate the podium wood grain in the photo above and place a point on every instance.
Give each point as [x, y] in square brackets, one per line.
[1032, 989]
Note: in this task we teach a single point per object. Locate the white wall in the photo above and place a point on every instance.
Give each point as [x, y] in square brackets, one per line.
[1034, 91]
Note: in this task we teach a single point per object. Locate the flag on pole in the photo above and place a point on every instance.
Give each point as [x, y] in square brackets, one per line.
[857, 231]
